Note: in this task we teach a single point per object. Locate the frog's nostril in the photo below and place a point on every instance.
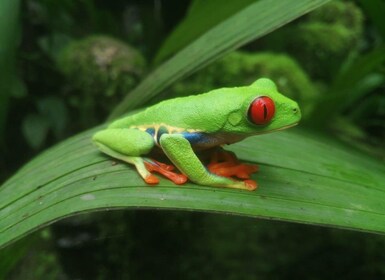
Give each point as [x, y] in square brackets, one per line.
[295, 110]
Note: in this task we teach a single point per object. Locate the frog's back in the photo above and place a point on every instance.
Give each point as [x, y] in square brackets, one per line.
[205, 112]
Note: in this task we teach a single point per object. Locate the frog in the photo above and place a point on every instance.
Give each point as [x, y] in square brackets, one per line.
[184, 128]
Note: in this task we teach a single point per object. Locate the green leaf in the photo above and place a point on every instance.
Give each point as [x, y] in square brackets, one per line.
[200, 18]
[375, 10]
[249, 24]
[353, 82]
[304, 177]
[360, 68]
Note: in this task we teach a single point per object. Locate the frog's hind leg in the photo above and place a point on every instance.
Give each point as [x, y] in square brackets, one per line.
[129, 145]
[137, 161]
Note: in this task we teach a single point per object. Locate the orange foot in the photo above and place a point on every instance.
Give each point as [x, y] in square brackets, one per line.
[226, 164]
[165, 170]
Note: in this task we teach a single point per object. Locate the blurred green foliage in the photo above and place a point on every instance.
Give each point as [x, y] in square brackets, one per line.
[10, 83]
[100, 70]
[322, 40]
[334, 31]
[78, 58]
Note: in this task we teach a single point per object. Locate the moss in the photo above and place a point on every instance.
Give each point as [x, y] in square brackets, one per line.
[240, 68]
[326, 38]
[338, 12]
[102, 69]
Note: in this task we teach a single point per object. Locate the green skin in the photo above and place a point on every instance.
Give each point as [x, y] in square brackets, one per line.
[220, 115]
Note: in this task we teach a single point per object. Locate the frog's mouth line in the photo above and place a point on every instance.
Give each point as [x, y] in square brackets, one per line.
[285, 127]
[277, 129]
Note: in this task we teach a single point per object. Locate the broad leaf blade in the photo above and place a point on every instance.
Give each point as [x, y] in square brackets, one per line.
[304, 177]
[199, 19]
[249, 24]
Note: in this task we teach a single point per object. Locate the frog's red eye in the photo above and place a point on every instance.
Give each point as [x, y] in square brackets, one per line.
[261, 110]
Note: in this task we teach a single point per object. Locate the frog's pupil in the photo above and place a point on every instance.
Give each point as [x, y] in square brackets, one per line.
[264, 111]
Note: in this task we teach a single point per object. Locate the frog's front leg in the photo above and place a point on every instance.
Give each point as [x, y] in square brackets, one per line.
[179, 151]
[129, 145]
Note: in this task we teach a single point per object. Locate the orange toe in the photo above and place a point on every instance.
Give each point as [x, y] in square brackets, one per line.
[164, 169]
[164, 166]
[151, 179]
[178, 179]
[251, 185]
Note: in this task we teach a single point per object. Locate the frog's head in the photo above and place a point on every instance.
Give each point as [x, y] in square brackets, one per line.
[264, 109]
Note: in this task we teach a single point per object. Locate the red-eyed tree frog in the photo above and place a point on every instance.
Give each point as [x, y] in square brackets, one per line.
[182, 128]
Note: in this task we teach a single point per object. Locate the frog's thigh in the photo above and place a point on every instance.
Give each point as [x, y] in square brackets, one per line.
[180, 152]
[128, 142]
[127, 145]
